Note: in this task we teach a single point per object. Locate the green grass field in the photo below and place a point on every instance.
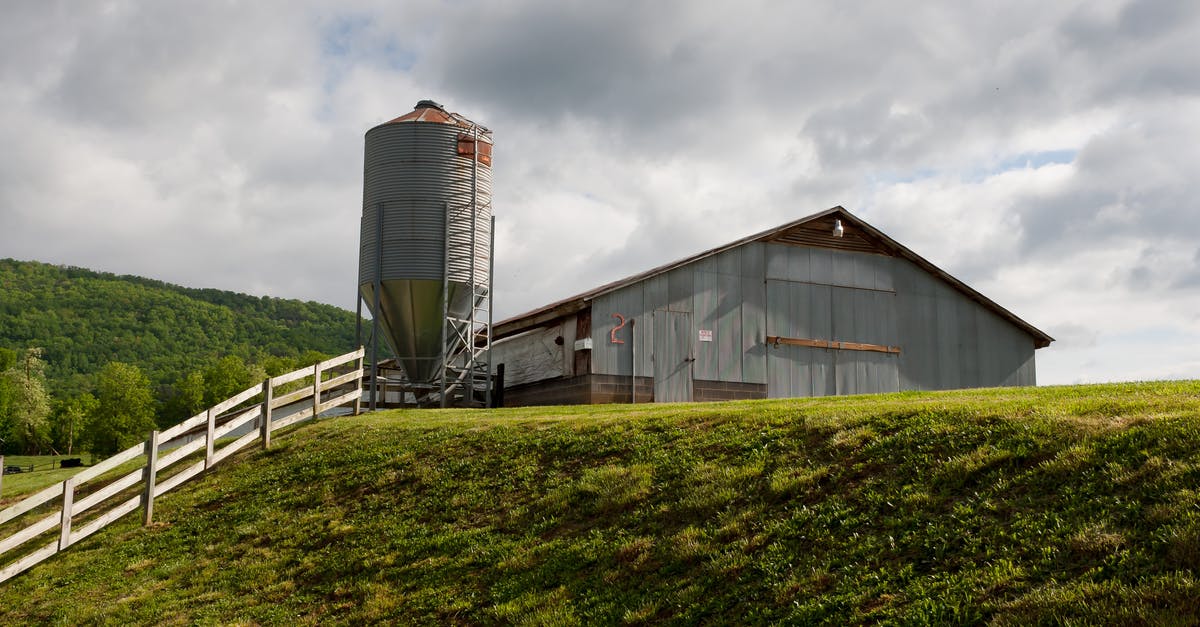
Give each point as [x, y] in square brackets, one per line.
[45, 473]
[1074, 505]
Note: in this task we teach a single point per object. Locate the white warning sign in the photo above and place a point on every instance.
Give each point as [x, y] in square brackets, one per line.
[705, 335]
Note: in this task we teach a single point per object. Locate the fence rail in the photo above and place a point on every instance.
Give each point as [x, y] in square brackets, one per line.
[80, 515]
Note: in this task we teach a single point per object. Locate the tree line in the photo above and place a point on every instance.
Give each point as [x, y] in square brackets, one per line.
[82, 320]
[120, 409]
[94, 361]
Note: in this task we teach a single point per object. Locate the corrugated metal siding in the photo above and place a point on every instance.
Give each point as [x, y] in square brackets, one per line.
[861, 309]
[705, 303]
[609, 357]
[949, 341]
[754, 312]
[680, 286]
[656, 296]
[915, 316]
[780, 373]
[413, 169]
[969, 354]
[1029, 371]
[747, 293]
[949, 371]
[776, 261]
[718, 308]
[829, 267]
[822, 266]
[843, 268]
[718, 299]
[728, 331]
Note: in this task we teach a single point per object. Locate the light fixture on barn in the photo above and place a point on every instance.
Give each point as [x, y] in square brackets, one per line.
[838, 229]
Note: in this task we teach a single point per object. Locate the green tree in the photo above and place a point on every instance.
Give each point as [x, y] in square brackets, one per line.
[28, 403]
[228, 376]
[70, 419]
[6, 423]
[8, 357]
[124, 411]
[186, 399]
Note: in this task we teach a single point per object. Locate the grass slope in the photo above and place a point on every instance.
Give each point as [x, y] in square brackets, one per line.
[1011, 506]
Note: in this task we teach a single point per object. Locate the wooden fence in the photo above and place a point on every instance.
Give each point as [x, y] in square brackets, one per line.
[81, 512]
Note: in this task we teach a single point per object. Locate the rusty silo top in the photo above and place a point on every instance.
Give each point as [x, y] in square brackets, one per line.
[430, 111]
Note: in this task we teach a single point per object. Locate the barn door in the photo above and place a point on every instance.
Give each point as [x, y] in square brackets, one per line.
[673, 356]
[830, 313]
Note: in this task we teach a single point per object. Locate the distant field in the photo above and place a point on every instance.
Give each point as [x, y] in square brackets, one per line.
[1018, 506]
[46, 472]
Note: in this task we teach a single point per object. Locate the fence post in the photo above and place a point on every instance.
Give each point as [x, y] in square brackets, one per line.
[1, 475]
[150, 472]
[208, 444]
[268, 395]
[64, 538]
[316, 389]
[357, 399]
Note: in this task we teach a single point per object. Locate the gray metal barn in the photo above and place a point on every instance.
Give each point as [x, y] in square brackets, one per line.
[805, 309]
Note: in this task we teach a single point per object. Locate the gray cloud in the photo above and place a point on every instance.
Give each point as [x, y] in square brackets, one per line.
[213, 144]
[1133, 183]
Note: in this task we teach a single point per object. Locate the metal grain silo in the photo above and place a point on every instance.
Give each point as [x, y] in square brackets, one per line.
[425, 252]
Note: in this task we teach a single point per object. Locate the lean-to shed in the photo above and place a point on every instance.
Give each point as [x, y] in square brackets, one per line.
[823, 305]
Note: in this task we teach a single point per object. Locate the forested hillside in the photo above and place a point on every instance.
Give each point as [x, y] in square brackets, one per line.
[188, 346]
[84, 319]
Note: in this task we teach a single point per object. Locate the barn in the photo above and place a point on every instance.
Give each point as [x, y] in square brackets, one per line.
[823, 305]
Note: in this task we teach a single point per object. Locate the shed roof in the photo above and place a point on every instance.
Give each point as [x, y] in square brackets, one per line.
[811, 230]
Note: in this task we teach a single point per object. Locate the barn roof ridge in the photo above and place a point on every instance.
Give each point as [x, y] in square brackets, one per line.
[573, 304]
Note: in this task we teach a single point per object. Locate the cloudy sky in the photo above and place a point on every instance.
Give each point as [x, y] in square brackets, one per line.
[1047, 153]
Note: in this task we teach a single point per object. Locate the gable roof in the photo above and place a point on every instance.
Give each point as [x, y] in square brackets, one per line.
[813, 230]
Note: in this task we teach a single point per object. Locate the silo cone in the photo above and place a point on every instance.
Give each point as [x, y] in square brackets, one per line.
[416, 167]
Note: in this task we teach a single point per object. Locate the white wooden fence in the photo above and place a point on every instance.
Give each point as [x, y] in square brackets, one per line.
[82, 513]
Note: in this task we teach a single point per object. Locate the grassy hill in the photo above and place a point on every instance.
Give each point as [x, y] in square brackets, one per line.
[85, 319]
[1065, 504]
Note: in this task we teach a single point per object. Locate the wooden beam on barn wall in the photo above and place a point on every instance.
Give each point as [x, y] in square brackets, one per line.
[775, 340]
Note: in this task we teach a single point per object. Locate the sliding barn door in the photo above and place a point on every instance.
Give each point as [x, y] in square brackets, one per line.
[827, 313]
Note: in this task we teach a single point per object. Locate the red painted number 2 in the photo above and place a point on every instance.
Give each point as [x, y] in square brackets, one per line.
[612, 336]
